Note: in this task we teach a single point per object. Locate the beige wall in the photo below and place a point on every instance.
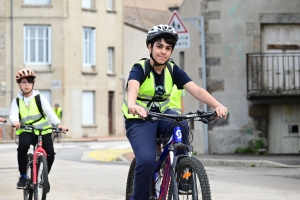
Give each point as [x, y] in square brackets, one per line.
[135, 49]
[67, 19]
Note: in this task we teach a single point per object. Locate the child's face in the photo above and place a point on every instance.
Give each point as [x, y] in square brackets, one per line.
[161, 51]
[26, 85]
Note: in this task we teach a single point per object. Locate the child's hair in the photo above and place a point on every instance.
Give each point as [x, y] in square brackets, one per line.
[167, 37]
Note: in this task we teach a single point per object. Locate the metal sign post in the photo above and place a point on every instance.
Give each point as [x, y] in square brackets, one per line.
[202, 33]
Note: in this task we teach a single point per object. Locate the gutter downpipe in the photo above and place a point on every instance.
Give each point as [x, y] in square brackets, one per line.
[11, 49]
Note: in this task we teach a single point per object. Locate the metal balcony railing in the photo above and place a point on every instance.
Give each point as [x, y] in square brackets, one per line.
[273, 74]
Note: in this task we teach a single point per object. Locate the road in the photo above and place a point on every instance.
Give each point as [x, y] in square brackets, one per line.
[79, 174]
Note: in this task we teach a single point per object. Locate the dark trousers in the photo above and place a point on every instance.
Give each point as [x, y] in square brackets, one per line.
[142, 137]
[25, 140]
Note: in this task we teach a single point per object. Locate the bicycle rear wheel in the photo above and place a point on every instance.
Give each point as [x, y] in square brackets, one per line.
[130, 179]
[42, 186]
[154, 188]
[28, 191]
[192, 180]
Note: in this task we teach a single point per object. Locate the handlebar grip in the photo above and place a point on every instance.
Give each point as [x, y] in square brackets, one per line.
[4, 121]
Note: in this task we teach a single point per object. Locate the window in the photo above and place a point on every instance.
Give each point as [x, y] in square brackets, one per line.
[47, 94]
[37, 45]
[88, 4]
[110, 5]
[37, 2]
[88, 47]
[110, 60]
[88, 107]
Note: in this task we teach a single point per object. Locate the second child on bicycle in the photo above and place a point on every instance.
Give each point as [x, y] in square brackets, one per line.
[152, 94]
[29, 108]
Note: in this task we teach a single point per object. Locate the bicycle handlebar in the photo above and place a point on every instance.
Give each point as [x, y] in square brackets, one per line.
[204, 117]
[3, 121]
[30, 127]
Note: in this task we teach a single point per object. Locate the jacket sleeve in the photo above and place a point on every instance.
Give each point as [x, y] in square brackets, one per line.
[14, 112]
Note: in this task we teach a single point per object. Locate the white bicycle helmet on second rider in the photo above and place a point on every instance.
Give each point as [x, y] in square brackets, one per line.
[161, 29]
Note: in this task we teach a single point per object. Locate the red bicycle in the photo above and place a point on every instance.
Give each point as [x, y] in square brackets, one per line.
[37, 185]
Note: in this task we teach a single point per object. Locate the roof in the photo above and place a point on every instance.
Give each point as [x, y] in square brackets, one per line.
[144, 19]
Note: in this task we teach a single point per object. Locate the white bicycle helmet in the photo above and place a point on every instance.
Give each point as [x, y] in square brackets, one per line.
[161, 29]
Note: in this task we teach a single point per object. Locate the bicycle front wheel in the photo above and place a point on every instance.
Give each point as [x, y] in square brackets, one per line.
[58, 137]
[192, 180]
[28, 191]
[42, 186]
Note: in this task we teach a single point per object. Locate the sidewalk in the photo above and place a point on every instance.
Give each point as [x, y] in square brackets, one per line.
[242, 160]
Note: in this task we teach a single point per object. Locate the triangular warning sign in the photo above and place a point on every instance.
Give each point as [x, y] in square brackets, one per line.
[177, 23]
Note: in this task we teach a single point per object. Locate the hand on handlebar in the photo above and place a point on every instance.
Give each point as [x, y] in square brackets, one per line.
[2, 120]
[63, 128]
[134, 109]
[17, 124]
[221, 111]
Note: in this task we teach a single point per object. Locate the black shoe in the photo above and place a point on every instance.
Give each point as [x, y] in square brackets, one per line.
[184, 187]
[21, 183]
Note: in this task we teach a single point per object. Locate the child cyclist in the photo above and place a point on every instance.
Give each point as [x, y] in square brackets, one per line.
[152, 94]
[25, 110]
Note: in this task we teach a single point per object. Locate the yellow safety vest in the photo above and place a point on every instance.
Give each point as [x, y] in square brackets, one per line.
[175, 99]
[146, 92]
[58, 112]
[30, 116]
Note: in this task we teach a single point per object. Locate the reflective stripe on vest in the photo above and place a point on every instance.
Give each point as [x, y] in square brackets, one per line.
[175, 99]
[28, 116]
[146, 92]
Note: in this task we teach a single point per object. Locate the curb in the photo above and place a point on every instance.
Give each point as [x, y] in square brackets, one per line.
[230, 163]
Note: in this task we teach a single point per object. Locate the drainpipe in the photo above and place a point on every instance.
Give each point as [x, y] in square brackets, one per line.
[11, 49]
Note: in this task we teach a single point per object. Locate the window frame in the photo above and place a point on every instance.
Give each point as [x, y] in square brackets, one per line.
[84, 120]
[37, 3]
[110, 5]
[46, 45]
[110, 60]
[91, 61]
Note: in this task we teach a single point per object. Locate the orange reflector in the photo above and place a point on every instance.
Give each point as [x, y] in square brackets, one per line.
[186, 175]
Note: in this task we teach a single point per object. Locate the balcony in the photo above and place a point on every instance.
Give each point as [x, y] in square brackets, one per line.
[273, 75]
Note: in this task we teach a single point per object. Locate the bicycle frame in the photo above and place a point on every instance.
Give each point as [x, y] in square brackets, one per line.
[36, 153]
[169, 155]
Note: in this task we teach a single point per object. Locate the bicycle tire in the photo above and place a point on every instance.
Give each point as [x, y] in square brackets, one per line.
[130, 179]
[41, 187]
[28, 191]
[193, 165]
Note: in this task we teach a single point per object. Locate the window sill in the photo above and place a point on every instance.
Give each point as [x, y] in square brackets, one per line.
[89, 10]
[39, 68]
[89, 126]
[37, 6]
[111, 74]
[89, 72]
[111, 11]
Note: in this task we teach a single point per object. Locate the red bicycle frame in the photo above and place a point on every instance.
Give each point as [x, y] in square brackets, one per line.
[37, 152]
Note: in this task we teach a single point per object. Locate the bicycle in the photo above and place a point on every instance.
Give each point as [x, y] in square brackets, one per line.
[37, 185]
[57, 135]
[176, 175]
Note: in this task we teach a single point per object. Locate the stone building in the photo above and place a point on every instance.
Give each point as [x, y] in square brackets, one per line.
[252, 59]
[76, 50]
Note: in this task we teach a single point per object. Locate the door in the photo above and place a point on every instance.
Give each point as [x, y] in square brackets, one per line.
[111, 113]
[281, 43]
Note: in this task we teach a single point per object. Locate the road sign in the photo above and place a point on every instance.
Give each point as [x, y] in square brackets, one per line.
[183, 35]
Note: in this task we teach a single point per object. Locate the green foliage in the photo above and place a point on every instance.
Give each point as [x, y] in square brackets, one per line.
[252, 165]
[243, 150]
[195, 153]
